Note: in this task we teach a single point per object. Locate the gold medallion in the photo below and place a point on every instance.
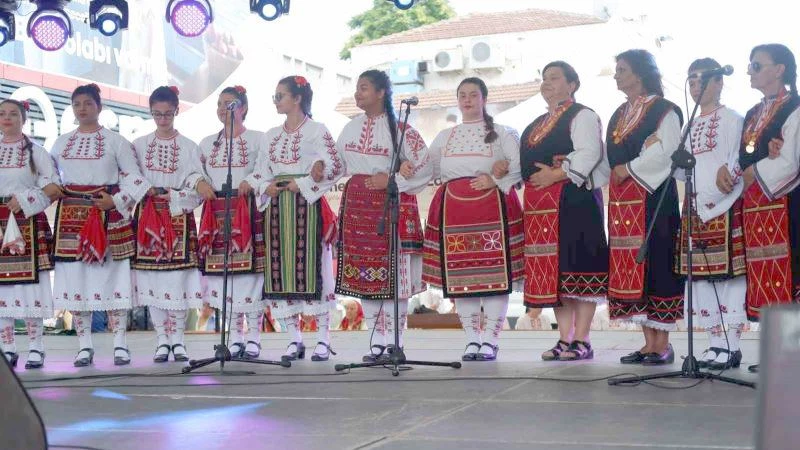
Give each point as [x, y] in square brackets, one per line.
[751, 147]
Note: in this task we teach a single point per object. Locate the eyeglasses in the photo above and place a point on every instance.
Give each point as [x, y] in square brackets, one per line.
[278, 97]
[756, 66]
[164, 115]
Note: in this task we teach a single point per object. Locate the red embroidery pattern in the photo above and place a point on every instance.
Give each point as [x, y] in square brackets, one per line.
[633, 114]
[330, 145]
[364, 144]
[755, 126]
[85, 145]
[241, 146]
[161, 157]
[544, 127]
[704, 133]
[414, 142]
[12, 155]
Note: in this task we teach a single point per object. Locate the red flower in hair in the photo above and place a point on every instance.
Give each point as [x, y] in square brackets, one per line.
[175, 90]
[300, 81]
[26, 106]
[240, 89]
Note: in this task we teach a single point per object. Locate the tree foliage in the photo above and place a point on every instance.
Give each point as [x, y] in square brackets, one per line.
[385, 19]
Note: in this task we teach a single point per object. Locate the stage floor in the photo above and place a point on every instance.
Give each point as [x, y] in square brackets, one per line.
[503, 404]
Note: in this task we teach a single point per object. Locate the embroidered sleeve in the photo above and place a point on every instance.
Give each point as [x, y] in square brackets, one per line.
[588, 148]
[132, 185]
[185, 198]
[415, 151]
[509, 143]
[46, 172]
[326, 151]
[652, 166]
[781, 175]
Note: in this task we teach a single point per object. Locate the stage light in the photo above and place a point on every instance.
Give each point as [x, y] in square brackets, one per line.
[108, 16]
[269, 9]
[403, 4]
[7, 27]
[49, 26]
[189, 17]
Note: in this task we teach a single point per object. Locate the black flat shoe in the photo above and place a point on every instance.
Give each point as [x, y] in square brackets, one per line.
[658, 359]
[323, 356]
[753, 368]
[83, 362]
[488, 357]
[122, 360]
[703, 362]
[236, 349]
[734, 360]
[35, 364]
[161, 357]
[179, 357]
[374, 356]
[298, 353]
[12, 358]
[470, 356]
[633, 358]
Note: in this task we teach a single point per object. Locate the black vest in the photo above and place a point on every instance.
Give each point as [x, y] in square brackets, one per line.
[629, 148]
[557, 142]
[772, 130]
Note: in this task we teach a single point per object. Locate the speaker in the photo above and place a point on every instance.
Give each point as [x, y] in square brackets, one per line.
[21, 426]
[779, 385]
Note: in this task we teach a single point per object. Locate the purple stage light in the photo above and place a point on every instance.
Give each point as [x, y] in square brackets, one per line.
[189, 17]
[49, 29]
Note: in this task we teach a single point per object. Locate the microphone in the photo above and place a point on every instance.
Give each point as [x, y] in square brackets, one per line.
[235, 104]
[724, 70]
[411, 101]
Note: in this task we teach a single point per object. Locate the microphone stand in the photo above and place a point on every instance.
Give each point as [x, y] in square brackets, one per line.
[391, 208]
[681, 159]
[221, 351]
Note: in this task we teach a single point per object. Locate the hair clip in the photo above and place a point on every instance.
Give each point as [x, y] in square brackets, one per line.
[174, 89]
[240, 89]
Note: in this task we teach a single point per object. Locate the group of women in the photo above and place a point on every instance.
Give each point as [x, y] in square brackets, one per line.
[125, 232]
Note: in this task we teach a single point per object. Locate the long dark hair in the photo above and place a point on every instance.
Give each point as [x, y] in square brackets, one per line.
[28, 145]
[380, 81]
[781, 54]
[643, 64]
[491, 134]
[92, 90]
[299, 86]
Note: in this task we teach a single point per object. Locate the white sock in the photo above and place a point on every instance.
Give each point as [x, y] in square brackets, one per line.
[7, 340]
[376, 320]
[35, 333]
[82, 322]
[388, 307]
[324, 328]
[469, 312]
[495, 309]
[119, 323]
[159, 318]
[238, 328]
[177, 319]
[253, 332]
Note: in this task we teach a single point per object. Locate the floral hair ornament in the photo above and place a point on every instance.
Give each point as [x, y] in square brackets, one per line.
[240, 89]
[300, 81]
[26, 105]
[174, 89]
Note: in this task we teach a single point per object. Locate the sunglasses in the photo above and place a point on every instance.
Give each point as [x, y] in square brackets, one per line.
[756, 66]
[278, 97]
[164, 115]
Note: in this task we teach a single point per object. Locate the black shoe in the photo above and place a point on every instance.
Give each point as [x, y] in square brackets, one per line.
[83, 362]
[633, 358]
[703, 362]
[180, 357]
[236, 349]
[122, 360]
[252, 355]
[372, 356]
[35, 364]
[323, 356]
[12, 358]
[734, 359]
[657, 359]
[470, 356]
[161, 357]
[488, 357]
[753, 368]
[298, 353]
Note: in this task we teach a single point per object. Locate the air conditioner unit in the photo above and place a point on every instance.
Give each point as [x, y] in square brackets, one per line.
[448, 60]
[485, 55]
[405, 72]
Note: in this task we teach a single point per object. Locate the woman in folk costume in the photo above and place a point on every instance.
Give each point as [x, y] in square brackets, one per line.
[246, 261]
[771, 186]
[166, 277]
[566, 254]
[28, 178]
[642, 135]
[94, 240]
[474, 236]
[364, 264]
[300, 225]
[718, 262]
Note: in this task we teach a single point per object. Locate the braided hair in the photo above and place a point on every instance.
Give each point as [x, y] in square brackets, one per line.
[380, 81]
[491, 134]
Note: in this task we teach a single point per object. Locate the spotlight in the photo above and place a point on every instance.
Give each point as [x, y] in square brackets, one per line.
[108, 16]
[189, 17]
[49, 26]
[403, 4]
[269, 9]
[7, 27]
